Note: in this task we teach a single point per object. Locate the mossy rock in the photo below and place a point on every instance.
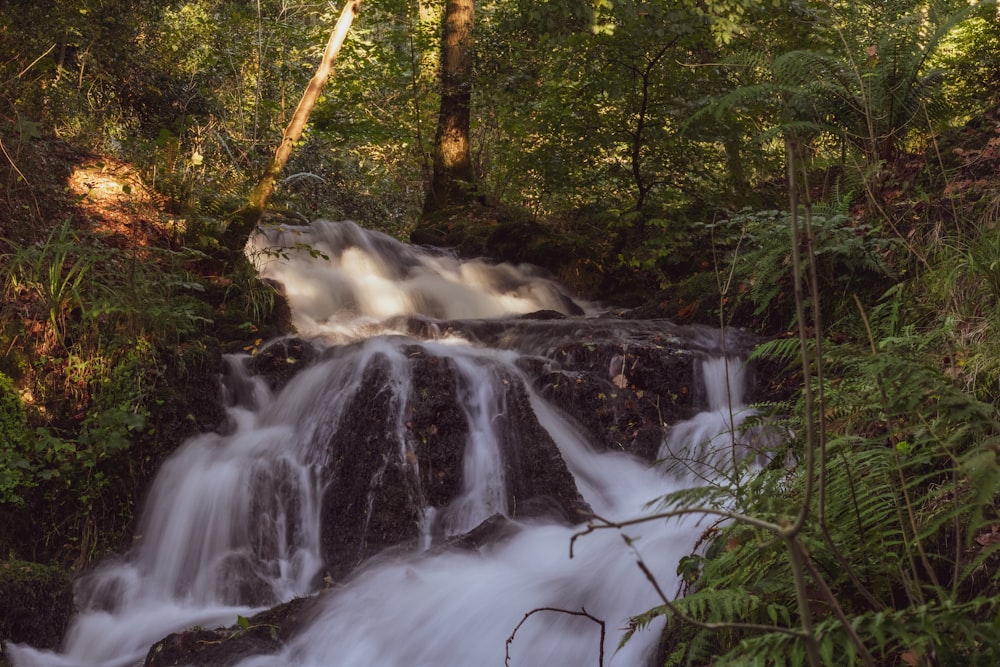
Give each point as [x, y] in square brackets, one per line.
[37, 603]
[262, 634]
[507, 234]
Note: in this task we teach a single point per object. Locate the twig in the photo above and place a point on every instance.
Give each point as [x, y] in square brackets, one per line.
[790, 532]
[35, 61]
[13, 165]
[838, 611]
[583, 612]
[714, 511]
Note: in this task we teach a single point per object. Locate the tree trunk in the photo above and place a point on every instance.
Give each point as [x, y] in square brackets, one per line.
[452, 177]
[248, 218]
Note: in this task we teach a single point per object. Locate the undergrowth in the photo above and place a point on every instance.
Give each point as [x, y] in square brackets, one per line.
[112, 354]
[872, 537]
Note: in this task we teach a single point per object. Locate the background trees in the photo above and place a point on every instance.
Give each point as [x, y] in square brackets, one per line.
[648, 139]
[574, 105]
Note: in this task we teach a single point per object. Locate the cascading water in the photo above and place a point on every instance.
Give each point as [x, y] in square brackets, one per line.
[483, 475]
[233, 522]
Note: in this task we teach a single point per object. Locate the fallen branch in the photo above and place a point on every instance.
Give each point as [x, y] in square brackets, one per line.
[582, 612]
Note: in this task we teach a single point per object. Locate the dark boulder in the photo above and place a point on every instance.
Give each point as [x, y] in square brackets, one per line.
[381, 481]
[623, 393]
[372, 501]
[538, 481]
[436, 426]
[281, 359]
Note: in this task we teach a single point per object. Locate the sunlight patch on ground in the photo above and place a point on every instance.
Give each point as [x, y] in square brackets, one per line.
[112, 196]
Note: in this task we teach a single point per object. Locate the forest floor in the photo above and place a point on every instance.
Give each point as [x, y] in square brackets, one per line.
[49, 181]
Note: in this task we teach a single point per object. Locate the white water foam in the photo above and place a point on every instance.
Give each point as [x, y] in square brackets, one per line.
[338, 277]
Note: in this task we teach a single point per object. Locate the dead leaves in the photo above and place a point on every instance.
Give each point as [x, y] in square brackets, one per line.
[990, 538]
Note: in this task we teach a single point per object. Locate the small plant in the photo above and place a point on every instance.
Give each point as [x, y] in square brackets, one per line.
[15, 467]
[54, 277]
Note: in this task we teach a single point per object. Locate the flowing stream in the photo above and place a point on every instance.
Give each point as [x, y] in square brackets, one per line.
[232, 524]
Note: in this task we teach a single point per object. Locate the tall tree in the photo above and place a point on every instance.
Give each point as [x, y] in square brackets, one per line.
[452, 162]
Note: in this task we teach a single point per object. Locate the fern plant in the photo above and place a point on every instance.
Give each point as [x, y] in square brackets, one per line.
[850, 256]
[874, 91]
[901, 553]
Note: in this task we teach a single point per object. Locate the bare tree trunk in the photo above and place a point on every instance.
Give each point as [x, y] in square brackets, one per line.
[249, 216]
[452, 162]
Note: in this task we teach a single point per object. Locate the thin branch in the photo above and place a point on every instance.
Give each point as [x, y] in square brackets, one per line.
[583, 612]
[835, 605]
[817, 324]
[912, 519]
[791, 157]
[13, 164]
[796, 561]
[789, 533]
[669, 514]
[35, 61]
[250, 215]
[821, 443]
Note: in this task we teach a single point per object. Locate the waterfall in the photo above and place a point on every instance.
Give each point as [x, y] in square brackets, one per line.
[483, 476]
[232, 523]
[724, 434]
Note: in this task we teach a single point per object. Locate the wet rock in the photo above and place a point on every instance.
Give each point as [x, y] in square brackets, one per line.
[533, 466]
[242, 584]
[623, 394]
[436, 427]
[495, 529]
[280, 360]
[378, 491]
[548, 314]
[372, 502]
[262, 634]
